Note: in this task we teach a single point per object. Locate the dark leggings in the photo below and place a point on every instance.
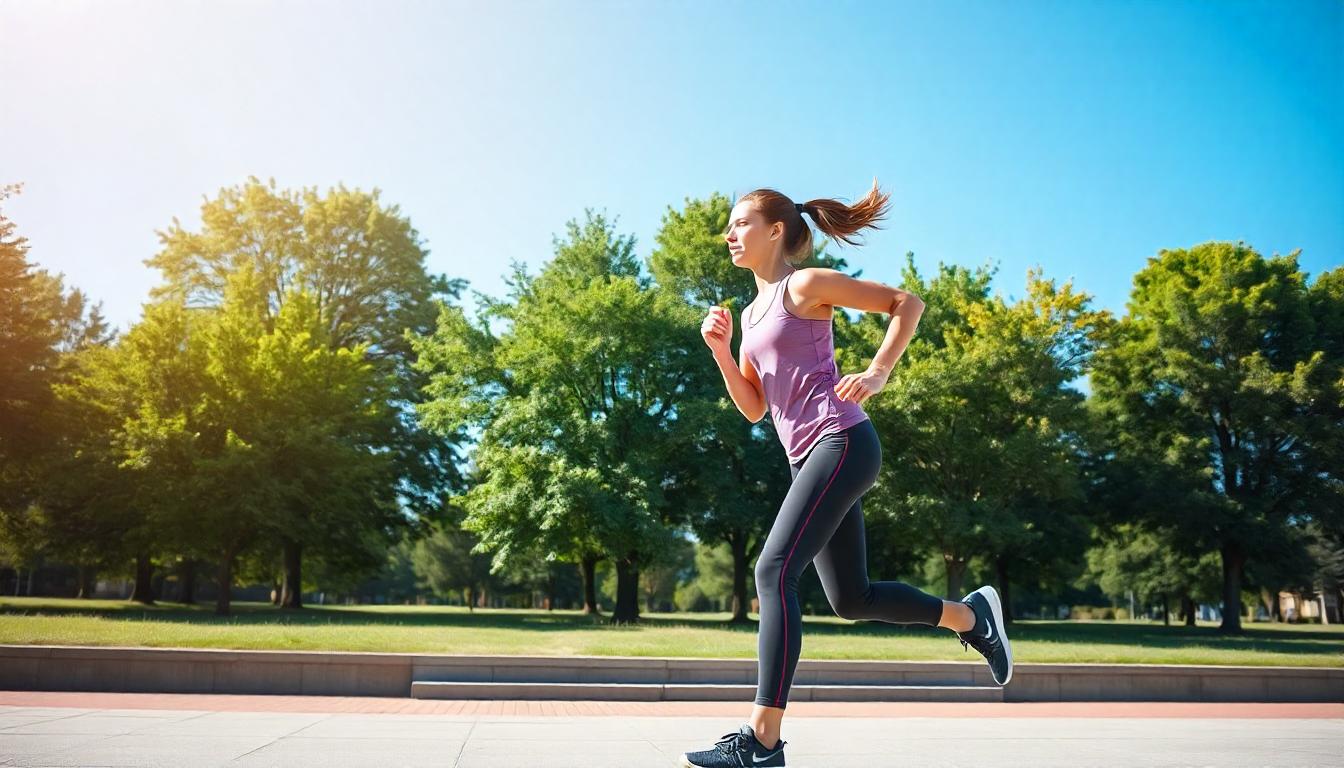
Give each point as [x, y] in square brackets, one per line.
[821, 521]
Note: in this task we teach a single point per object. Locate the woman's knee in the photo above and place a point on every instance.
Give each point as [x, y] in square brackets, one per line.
[853, 606]
[767, 573]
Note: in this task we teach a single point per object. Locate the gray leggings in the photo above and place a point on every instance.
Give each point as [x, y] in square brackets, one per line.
[821, 521]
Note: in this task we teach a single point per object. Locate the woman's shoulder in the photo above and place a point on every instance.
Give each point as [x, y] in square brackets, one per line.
[805, 279]
[801, 291]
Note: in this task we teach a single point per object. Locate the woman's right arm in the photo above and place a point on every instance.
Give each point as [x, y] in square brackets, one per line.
[744, 385]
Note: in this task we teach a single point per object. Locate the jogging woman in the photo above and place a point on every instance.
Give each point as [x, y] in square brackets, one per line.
[787, 368]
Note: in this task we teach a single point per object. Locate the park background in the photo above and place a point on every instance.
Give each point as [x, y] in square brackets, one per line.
[1124, 401]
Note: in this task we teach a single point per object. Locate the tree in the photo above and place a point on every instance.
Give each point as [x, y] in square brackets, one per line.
[989, 433]
[659, 577]
[362, 265]
[578, 405]
[710, 582]
[303, 421]
[445, 563]
[1131, 557]
[42, 330]
[1220, 374]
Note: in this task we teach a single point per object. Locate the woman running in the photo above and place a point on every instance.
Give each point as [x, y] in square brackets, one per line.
[787, 367]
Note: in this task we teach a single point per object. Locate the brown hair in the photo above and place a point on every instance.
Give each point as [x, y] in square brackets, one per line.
[834, 218]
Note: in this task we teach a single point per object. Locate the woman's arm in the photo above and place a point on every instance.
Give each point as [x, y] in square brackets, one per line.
[818, 287]
[744, 384]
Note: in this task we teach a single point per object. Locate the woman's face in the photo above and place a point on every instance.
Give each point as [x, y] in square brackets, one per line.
[751, 242]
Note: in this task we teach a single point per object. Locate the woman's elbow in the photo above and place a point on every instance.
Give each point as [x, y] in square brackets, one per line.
[906, 299]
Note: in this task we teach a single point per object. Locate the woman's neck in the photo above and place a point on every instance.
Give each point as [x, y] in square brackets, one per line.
[772, 276]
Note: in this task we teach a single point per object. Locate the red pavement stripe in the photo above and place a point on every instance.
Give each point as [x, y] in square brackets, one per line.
[371, 705]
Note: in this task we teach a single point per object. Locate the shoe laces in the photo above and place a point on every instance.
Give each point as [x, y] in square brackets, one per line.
[979, 642]
[732, 742]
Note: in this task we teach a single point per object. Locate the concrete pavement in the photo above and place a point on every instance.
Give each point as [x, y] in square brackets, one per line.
[89, 730]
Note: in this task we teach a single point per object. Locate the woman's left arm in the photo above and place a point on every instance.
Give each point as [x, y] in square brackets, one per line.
[819, 286]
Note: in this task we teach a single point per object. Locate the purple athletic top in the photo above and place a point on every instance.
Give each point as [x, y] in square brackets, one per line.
[795, 358]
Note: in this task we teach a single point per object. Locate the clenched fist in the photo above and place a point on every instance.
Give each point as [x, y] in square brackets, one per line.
[717, 328]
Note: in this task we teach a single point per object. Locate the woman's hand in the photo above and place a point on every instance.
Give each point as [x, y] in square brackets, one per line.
[717, 328]
[858, 387]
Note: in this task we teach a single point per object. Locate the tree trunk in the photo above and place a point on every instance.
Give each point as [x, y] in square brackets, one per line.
[32, 576]
[291, 587]
[738, 544]
[588, 572]
[143, 592]
[85, 578]
[627, 591]
[1166, 610]
[1267, 600]
[471, 598]
[1188, 608]
[1005, 597]
[1233, 560]
[187, 580]
[955, 570]
[550, 590]
[224, 582]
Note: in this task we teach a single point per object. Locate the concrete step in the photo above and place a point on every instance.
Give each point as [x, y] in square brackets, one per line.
[678, 671]
[425, 689]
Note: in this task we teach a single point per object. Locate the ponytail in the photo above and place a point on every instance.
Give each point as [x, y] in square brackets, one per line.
[833, 218]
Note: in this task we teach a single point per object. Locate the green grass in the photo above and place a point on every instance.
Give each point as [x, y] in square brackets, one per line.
[439, 629]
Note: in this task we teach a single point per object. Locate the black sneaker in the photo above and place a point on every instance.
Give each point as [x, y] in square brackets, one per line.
[987, 636]
[739, 750]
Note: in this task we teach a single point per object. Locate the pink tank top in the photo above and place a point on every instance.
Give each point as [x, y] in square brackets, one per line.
[795, 358]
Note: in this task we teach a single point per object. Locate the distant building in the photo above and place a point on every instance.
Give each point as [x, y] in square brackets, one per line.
[1306, 606]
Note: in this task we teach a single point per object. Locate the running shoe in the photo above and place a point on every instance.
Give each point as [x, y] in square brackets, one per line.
[987, 636]
[739, 750]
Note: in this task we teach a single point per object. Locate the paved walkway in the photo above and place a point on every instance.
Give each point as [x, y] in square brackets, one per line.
[89, 730]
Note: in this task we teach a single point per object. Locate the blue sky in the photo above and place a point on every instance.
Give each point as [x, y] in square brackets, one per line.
[1078, 136]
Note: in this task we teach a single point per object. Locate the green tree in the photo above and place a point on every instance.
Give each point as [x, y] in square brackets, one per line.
[1131, 557]
[42, 330]
[583, 410]
[445, 563]
[989, 433]
[1221, 384]
[306, 419]
[115, 486]
[710, 581]
[362, 264]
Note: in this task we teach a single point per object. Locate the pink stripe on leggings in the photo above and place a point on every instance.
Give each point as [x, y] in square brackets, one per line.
[784, 609]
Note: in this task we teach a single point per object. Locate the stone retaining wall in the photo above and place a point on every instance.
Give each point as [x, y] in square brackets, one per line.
[67, 668]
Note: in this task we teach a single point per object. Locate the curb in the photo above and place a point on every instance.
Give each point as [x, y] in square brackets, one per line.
[326, 673]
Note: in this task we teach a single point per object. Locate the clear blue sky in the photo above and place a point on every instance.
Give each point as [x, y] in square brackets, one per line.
[1080, 136]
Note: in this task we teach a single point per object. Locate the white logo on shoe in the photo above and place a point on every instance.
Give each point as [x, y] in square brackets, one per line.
[990, 634]
[756, 759]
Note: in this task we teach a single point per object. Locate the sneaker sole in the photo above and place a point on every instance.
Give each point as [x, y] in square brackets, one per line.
[686, 763]
[991, 596]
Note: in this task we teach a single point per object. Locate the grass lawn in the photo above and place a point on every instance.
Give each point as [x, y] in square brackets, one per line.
[441, 629]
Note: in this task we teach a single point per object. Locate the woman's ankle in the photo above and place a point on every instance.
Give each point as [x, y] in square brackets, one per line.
[954, 615]
[767, 739]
